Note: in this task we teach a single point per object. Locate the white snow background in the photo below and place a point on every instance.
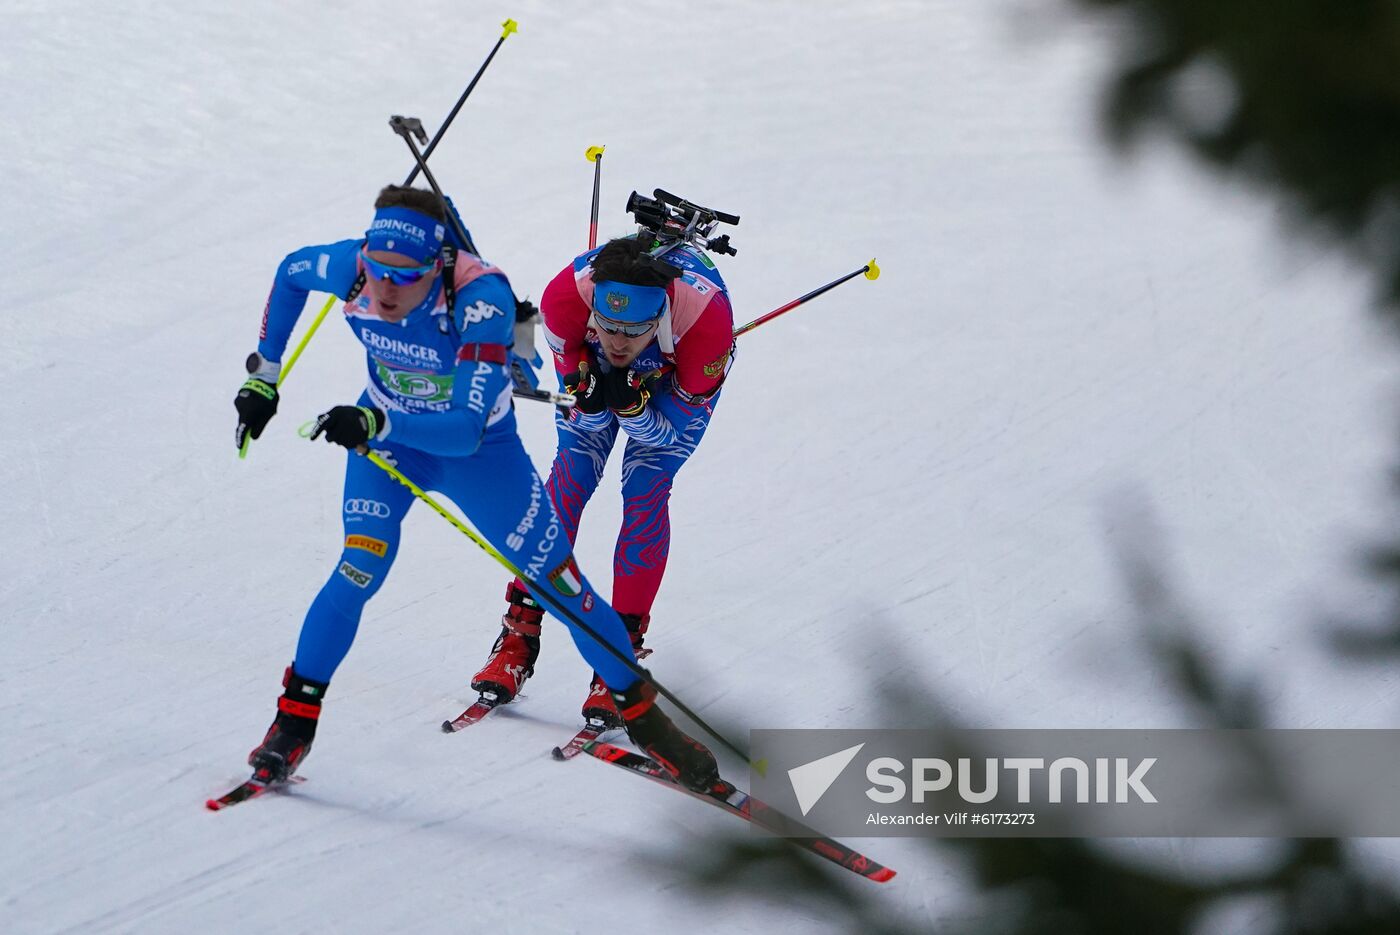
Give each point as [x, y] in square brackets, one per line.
[905, 479]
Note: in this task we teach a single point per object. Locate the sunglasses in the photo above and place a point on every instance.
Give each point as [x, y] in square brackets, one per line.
[608, 326]
[398, 275]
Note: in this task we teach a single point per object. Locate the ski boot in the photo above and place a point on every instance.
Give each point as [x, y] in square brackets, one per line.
[512, 658]
[288, 740]
[688, 761]
[598, 707]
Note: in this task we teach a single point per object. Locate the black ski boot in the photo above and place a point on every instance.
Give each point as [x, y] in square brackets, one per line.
[688, 761]
[288, 740]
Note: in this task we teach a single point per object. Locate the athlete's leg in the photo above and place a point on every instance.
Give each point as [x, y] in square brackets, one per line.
[372, 508]
[573, 477]
[577, 469]
[499, 491]
[644, 543]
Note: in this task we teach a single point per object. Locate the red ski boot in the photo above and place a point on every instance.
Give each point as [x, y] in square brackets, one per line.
[512, 659]
[598, 706]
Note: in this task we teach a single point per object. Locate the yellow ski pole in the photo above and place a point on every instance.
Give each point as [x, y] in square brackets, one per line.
[538, 589]
[378, 461]
[291, 361]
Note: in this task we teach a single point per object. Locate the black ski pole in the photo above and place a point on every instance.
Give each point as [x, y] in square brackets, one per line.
[409, 128]
[870, 270]
[508, 27]
[595, 156]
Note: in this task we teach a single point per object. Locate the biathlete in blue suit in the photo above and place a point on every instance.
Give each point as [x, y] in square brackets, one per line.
[437, 402]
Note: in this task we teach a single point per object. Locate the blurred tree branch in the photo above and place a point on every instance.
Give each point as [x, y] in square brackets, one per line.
[1301, 100]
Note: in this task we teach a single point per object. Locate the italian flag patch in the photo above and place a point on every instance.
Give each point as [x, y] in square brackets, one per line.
[566, 579]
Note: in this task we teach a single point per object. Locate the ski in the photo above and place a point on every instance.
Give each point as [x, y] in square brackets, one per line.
[483, 706]
[251, 789]
[741, 804]
[593, 730]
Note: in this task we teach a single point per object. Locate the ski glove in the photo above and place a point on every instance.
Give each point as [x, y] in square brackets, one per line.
[626, 393]
[587, 387]
[351, 426]
[256, 401]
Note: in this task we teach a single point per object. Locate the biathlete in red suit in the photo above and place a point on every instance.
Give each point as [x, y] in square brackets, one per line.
[645, 343]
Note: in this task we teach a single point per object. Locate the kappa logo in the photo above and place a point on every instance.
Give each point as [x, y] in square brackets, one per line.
[358, 578]
[481, 311]
[588, 602]
[357, 507]
[368, 544]
[810, 781]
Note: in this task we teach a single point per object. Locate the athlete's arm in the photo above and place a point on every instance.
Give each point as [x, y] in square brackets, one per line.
[322, 268]
[702, 357]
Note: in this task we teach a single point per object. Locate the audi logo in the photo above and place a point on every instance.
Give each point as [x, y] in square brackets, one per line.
[367, 508]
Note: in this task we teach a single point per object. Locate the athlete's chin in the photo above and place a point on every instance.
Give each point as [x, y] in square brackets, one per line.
[391, 313]
[619, 360]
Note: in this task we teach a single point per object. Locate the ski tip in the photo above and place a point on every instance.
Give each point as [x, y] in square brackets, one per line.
[883, 875]
[871, 270]
[508, 27]
[558, 753]
[447, 728]
[212, 804]
[594, 153]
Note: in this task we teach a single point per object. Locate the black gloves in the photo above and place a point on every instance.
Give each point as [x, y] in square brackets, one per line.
[587, 387]
[620, 390]
[256, 401]
[626, 394]
[351, 426]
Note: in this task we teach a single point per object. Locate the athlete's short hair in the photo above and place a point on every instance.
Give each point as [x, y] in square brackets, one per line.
[415, 199]
[626, 259]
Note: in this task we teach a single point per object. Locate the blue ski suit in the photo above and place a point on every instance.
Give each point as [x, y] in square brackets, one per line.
[451, 428]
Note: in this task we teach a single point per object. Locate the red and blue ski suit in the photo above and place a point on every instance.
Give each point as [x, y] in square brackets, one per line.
[694, 342]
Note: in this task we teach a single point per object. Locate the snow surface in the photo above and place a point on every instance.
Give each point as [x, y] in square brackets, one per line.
[905, 480]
